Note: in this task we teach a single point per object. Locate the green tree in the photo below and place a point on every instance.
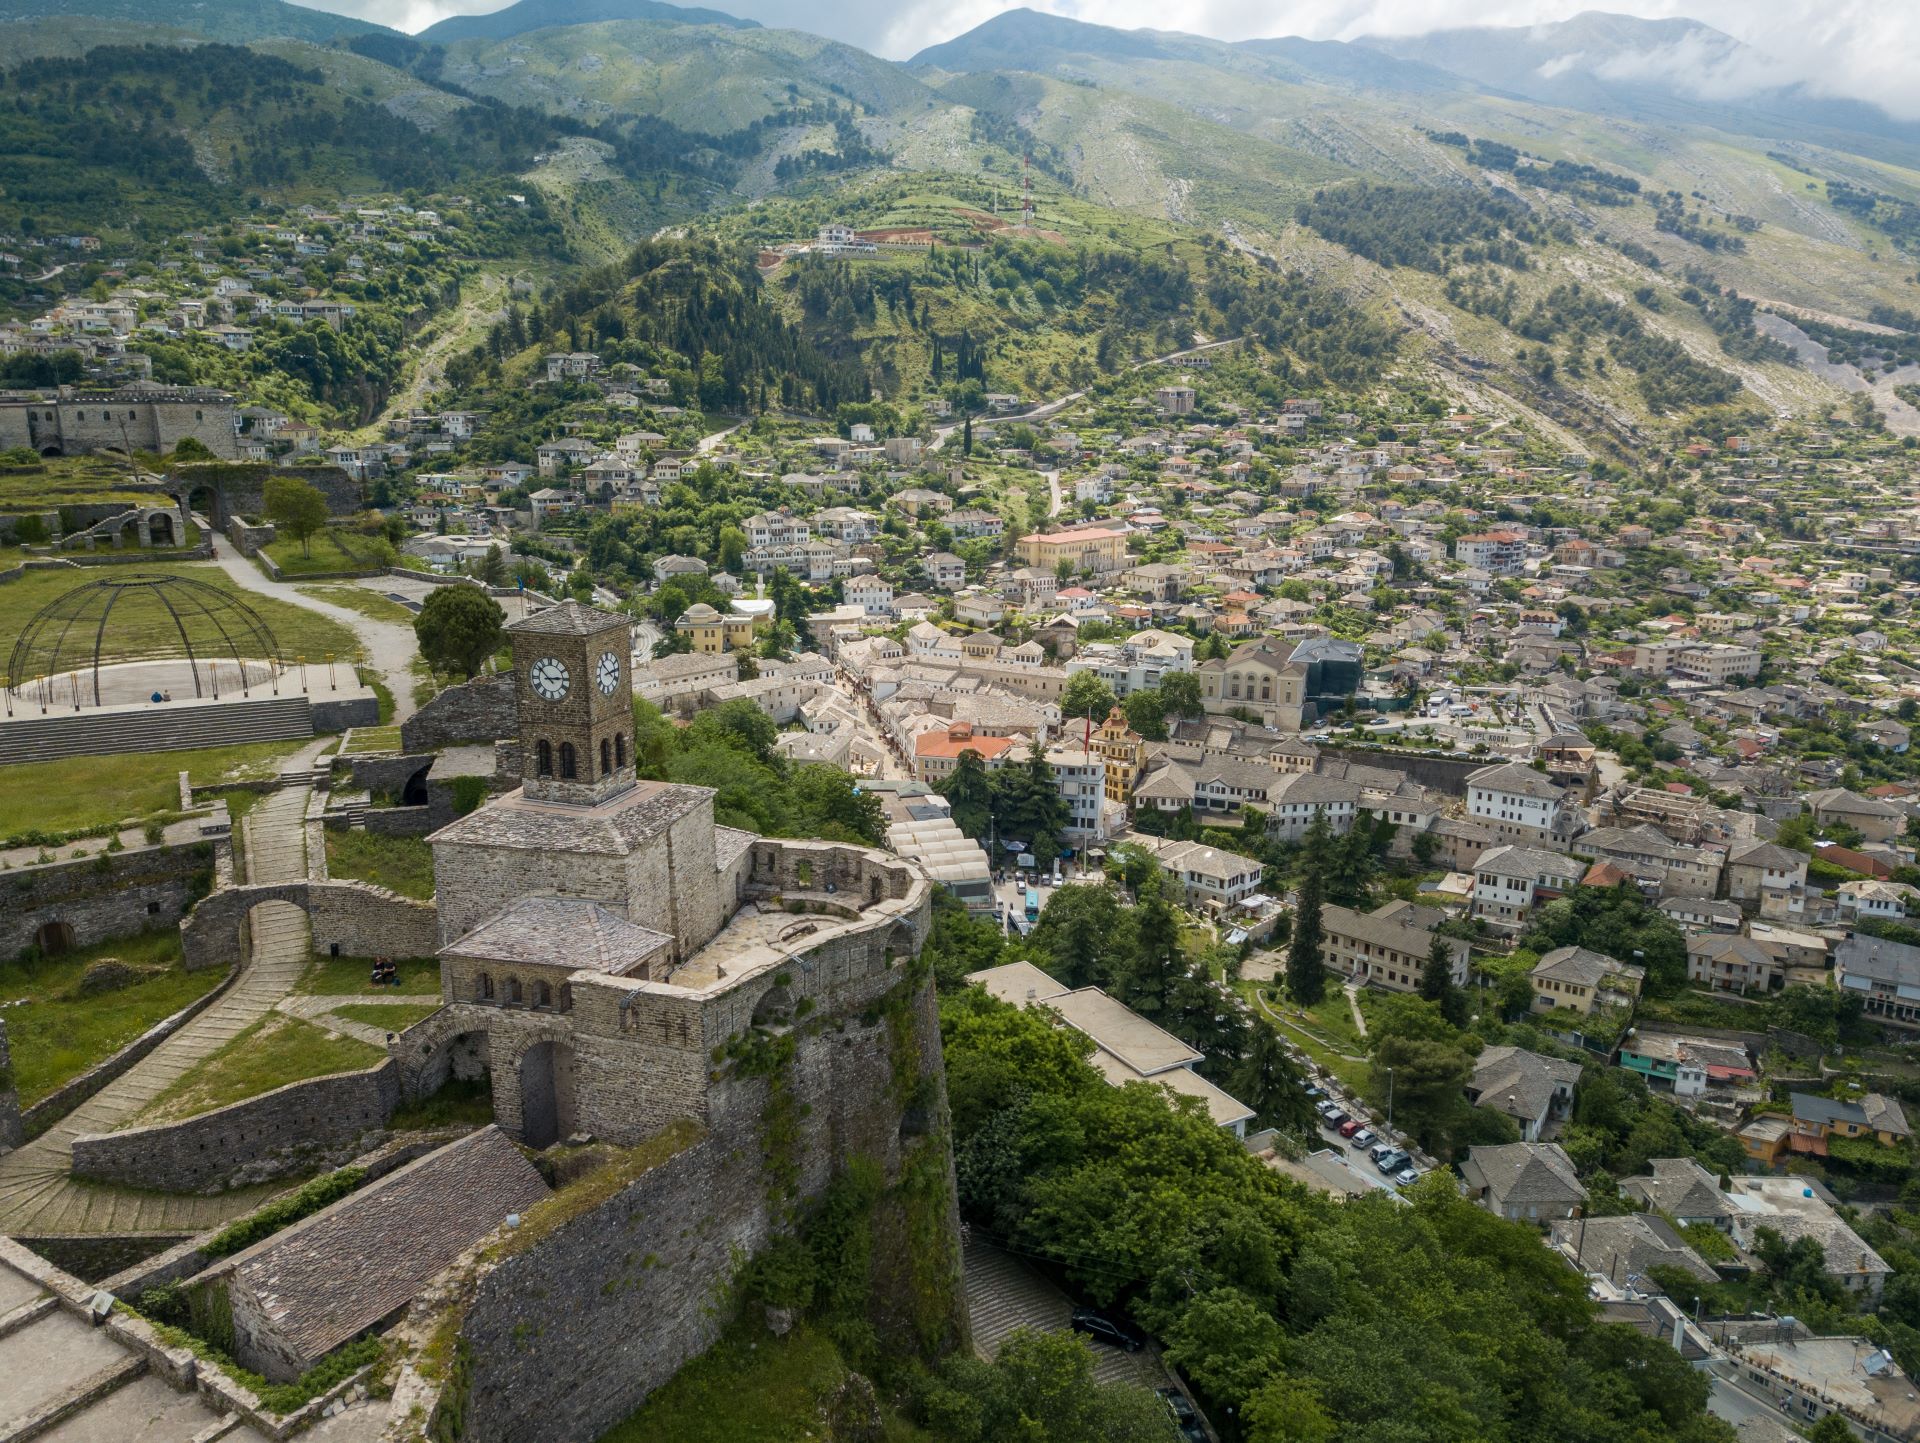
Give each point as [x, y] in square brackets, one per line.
[1306, 970]
[1436, 983]
[832, 805]
[1086, 695]
[1180, 690]
[492, 568]
[1085, 936]
[968, 789]
[297, 509]
[458, 628]
[1270, 1082]
[739, 724]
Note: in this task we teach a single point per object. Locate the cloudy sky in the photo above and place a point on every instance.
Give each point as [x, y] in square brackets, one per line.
[1867, 49]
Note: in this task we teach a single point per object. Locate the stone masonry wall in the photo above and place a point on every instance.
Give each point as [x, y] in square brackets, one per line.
[249, 539]
[321, 1122]
[645, 1275]
[11, 1133]
[480, 710]
[240, 488]
[349, 919]
[113, 895]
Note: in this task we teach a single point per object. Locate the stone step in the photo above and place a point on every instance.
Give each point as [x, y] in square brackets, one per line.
[28, 736]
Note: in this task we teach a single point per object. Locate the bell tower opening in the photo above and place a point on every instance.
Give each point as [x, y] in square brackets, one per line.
[572, 676]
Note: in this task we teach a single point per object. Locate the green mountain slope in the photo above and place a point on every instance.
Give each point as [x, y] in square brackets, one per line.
[233, 21]
[527, 15]
[700, 77]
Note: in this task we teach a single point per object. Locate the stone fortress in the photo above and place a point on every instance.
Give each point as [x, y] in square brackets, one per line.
[723, 1023]
[75, 420]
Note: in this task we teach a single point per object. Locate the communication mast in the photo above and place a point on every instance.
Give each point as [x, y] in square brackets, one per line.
[1026, 189]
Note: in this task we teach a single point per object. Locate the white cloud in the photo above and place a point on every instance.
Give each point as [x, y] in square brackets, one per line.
[1863, 49]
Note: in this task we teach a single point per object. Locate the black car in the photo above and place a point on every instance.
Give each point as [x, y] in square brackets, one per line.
[1105, 1329]
[1185, 1416]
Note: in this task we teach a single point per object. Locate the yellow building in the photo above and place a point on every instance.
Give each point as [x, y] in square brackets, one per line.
[713, 633]
[1125, 753]
[1099, 549]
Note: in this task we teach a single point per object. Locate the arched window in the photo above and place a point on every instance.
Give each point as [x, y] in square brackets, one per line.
[514, 996]
[569, 763]
[486, 987]
[606, 756]
[620, 749]
[542, 995]
[543, 753]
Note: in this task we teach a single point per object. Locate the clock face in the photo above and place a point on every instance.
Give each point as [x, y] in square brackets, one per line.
[606, 675]
[549, 679]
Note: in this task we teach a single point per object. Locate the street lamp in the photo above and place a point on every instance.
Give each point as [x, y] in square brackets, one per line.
[1389, 1099]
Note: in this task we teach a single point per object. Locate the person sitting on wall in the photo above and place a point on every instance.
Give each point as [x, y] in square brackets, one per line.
[155, 698]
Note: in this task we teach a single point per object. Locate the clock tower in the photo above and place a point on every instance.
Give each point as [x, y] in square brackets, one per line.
[575, 697]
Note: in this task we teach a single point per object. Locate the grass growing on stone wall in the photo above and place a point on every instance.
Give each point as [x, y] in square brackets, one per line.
[352, 976]
[271, 1053]
[460, 1102]
[75, 793]
[57, 1033]
[391, 1016]
[547, 1216]
[400, 864]
[139, 625]
[753, 1387]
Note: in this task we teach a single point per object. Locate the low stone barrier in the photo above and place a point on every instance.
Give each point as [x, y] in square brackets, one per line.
[320, 1122]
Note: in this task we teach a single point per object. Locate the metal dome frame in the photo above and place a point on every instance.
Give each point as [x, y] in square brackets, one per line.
[91, 604]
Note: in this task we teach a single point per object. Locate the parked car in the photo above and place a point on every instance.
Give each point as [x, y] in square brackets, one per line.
[1316, 1094]
[1363, 1138]
[1185, 1416]
[1326, 1105]
[1336, 1118]
[1393, 1162]
[1379, 723]
[1380, 1150]
[1350, 1127]
[1407, 1176]
[1104, 1328]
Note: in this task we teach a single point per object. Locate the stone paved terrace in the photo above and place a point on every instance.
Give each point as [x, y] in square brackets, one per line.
[39, 1198]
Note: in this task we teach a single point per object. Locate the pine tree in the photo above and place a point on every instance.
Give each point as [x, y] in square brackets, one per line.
[1269, 1081]
[1306, 972]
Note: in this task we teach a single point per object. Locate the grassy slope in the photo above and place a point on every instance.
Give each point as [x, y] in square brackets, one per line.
[272, 1053]
[704, 78]
[400, 864]
[348, 977]
[78, 792]
[55, 1036]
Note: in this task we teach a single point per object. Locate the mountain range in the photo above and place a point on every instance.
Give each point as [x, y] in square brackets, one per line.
[1654, 159]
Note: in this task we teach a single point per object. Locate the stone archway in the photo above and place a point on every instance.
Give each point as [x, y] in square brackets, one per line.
[545, 1101]
[160, 529]
[54, 939]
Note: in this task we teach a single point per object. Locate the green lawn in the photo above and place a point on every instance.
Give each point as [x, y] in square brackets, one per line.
[750, 1387]
[331, 550]
[1325, 1031]
[56, 1035]
[140, 624]
[273, 1052]
[389, 1016]
[348, 977]
[75, 793]
[357, 598]
[374, 739]
[400, 864]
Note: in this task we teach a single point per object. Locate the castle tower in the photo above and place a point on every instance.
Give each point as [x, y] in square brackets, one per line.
[575, 699]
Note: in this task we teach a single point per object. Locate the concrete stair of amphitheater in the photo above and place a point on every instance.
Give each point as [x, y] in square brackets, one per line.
[30, 737]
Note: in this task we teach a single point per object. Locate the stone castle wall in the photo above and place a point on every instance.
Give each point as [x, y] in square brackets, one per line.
[102, 898]
[349, 919]
[76, 424]
[321, 1122]
[646, 1275]
[481, 710]
[240, 488]
[11, 1132]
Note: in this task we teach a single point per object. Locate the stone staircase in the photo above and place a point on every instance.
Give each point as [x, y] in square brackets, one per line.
[1003, 1294]
[171, 726]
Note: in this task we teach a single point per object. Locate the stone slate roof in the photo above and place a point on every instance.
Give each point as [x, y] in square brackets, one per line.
[569, 618]
[1523, 1172]
[1519, 1083]
[728, 844]
[1531, 863]
[1769, 855]
[1681, 1187]
[617, 827]
[1618, 1246]
[1582, 965]
[1515, 779]
[571, 932]
[330, 1277]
